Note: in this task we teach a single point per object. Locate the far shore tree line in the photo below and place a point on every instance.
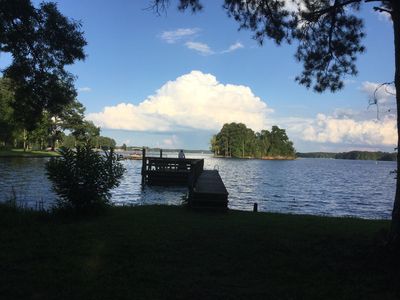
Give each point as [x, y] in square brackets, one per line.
[357, 155]
[66, 128]
[236, 140]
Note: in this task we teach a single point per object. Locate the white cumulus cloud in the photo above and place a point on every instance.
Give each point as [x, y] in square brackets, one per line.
[330, 129]
[174, 36]
[192, 101]
[346, 127]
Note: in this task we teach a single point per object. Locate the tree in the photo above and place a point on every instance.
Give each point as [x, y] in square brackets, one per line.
[264, 141]
[105, 143]
[42, 42]
[71, 117]
[280, 143]
[214, 146]
[86, 132]
[49, 128]
[236, 140]
[8, 127]
[69, 141]
[329, 35]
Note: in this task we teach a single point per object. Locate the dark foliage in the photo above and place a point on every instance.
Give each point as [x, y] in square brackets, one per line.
[7, 124]
[357, 155]
[316, 154]
[236, 140]
[42, 42]
[49, 130]
[366, 155]
[329, 41]
[83, 178]
[265, 18]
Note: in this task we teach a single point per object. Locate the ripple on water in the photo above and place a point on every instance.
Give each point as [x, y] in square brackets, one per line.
[304, 186]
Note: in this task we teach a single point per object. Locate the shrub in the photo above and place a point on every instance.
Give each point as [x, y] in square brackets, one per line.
[83, 178]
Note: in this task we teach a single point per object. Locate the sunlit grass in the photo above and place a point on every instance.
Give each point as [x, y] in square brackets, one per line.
[158, 252]
[28, 153]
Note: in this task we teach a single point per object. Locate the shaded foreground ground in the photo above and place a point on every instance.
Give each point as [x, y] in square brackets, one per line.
[156, 252]
[28, 153]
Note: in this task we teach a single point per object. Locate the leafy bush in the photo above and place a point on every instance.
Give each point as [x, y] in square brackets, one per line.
[83, 178]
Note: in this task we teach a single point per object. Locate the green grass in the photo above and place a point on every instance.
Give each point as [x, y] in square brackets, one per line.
[29, 153]
[158, 252]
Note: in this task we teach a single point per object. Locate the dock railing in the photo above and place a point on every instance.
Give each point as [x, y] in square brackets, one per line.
[171, 171]
[197, 169]
[170, 164]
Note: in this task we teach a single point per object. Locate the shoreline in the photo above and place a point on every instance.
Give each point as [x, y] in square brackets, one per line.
[259, 158]
[16, 153]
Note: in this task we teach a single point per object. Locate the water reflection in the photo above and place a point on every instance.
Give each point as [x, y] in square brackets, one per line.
[310, 186]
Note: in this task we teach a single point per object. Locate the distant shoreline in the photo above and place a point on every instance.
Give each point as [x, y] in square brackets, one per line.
[278, 157]
[352, 155]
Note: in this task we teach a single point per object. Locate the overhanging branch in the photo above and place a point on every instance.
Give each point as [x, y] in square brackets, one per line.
[381, 9]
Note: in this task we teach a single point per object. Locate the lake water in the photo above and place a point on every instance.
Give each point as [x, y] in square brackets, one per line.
[362, 189]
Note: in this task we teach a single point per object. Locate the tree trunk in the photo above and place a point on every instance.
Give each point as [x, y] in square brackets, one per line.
[53, 143]
[24, 139]
[395, 228]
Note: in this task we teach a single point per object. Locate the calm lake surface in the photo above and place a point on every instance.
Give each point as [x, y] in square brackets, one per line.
[362, 189]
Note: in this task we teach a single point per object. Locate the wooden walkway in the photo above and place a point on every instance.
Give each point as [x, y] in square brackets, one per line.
[206, 188]
[209, 192]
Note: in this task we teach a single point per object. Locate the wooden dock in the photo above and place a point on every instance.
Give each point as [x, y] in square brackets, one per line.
[206, 188]
[209, 192]
[169, 171]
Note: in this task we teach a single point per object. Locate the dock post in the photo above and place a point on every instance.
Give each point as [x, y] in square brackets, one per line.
[143, 165]
[255, 207]
[160, 153]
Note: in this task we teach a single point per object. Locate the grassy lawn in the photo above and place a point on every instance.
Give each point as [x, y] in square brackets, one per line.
[22, 153]
[158, 252]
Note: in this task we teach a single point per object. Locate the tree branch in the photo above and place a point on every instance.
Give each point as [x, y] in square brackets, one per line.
[366, 1]
[381, 9]
[318, 13]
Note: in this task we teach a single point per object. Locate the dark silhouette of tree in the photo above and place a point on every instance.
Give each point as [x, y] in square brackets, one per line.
[50, 129]
[106, 143]
[86, 132]
[71, 117]
[329, 34]
[8, 128]
[83, 178]
[42, 42]
[236, 140]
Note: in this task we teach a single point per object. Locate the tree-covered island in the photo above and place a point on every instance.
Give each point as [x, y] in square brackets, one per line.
[236, 140]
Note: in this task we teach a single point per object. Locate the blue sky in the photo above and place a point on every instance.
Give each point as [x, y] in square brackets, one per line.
[133, 54]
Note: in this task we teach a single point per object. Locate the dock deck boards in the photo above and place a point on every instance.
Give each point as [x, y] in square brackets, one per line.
[209, 192]
[209, 182]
